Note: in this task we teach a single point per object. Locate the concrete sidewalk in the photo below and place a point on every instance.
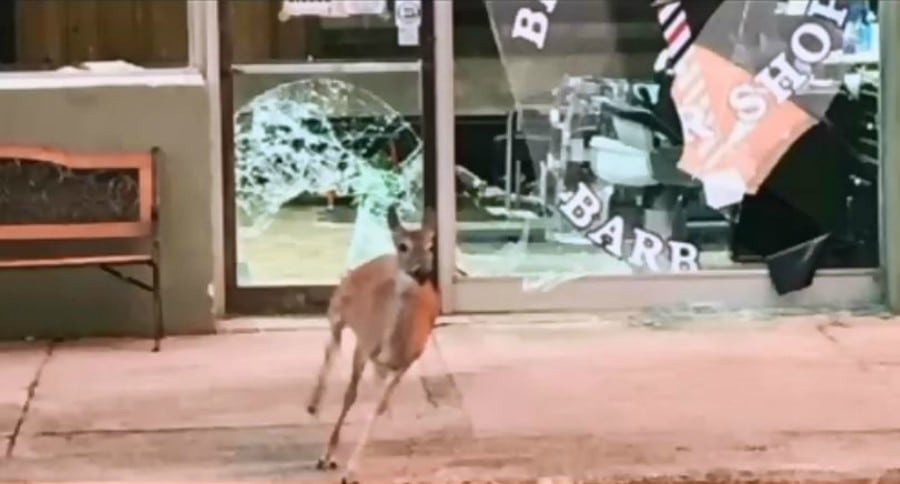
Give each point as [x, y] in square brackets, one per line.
[792, 399]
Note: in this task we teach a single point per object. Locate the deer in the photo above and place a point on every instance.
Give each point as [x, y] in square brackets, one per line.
[391, 305]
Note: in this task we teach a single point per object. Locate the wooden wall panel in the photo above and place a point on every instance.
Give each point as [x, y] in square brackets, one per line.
[118, 25]
[141, 16]
[290, 40]
[251, 26]
[82, 30]
[259, 37]
[167, 30]
[53, 33]
[40, 32]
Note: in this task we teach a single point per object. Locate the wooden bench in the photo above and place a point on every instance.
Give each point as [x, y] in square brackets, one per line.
[60, 209]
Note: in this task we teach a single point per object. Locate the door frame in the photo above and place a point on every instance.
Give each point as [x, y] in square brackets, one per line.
[722, 288]
[298, 299]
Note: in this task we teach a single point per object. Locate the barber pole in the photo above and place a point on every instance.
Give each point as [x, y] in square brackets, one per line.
[676, 30]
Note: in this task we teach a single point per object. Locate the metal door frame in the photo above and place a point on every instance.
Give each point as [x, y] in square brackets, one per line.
[299, 299]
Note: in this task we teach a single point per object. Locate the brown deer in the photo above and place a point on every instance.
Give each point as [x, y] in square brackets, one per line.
[391, 305]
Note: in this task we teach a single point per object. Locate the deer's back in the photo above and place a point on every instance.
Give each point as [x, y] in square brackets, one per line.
[363, 295]
[363, 302]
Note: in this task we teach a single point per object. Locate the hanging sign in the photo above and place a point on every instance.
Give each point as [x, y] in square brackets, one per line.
[408, 18]
[364, 7]
[330, 8]
[300, 8]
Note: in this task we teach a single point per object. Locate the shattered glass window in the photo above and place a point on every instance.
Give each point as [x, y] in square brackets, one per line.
[622, 137]
[327, 135]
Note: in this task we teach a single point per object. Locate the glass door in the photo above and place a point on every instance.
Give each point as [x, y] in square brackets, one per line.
[323, 129]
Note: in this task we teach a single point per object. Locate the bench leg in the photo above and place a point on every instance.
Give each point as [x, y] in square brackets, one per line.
[158, 328]
[154, 289]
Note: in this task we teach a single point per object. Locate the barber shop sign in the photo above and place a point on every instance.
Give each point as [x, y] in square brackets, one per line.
[526, 28]
[582, 209]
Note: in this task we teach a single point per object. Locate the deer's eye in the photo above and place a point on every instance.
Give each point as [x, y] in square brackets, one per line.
[402, 247]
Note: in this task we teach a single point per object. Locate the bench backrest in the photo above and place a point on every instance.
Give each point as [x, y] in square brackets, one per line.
[57, 203]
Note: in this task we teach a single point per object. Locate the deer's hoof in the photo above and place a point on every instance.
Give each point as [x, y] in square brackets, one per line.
[349, 479]
[312, 410]
[324, 464]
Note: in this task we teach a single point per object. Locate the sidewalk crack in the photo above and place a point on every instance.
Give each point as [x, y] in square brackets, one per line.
[836, 322]
[29, 397]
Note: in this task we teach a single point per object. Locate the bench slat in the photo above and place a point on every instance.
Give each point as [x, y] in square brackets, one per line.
[96, 160]
[143, 162]
[75, 261]
[76, 231]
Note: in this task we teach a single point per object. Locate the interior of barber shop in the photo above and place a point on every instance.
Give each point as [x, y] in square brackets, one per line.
[715, 151]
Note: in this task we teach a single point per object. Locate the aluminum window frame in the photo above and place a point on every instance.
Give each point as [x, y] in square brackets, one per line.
[738, 288]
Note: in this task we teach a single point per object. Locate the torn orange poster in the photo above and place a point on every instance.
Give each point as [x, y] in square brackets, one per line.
[717, 140]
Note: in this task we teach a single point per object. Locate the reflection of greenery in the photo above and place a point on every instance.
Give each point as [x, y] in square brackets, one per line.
[378, 185]
[382, 161]
[313, 136]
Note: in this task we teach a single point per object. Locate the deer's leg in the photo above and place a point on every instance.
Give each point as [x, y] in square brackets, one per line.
[381, 373]
[331, 349]
[359, 364]
[384, 404]
[386, 392]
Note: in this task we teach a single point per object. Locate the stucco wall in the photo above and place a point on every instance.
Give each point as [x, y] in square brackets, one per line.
[78, 302]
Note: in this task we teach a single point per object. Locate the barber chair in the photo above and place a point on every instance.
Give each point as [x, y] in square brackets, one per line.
[524, 149]
[631, 119]
[642, 159]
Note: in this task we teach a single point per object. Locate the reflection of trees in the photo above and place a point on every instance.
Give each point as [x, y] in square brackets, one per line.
[315, 135]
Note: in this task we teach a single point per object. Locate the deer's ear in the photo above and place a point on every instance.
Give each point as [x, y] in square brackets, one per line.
[393, 219]
[429, 219]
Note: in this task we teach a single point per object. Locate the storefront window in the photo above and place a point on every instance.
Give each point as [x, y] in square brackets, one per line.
[620, 137]
[327, 134]
[50, 34]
